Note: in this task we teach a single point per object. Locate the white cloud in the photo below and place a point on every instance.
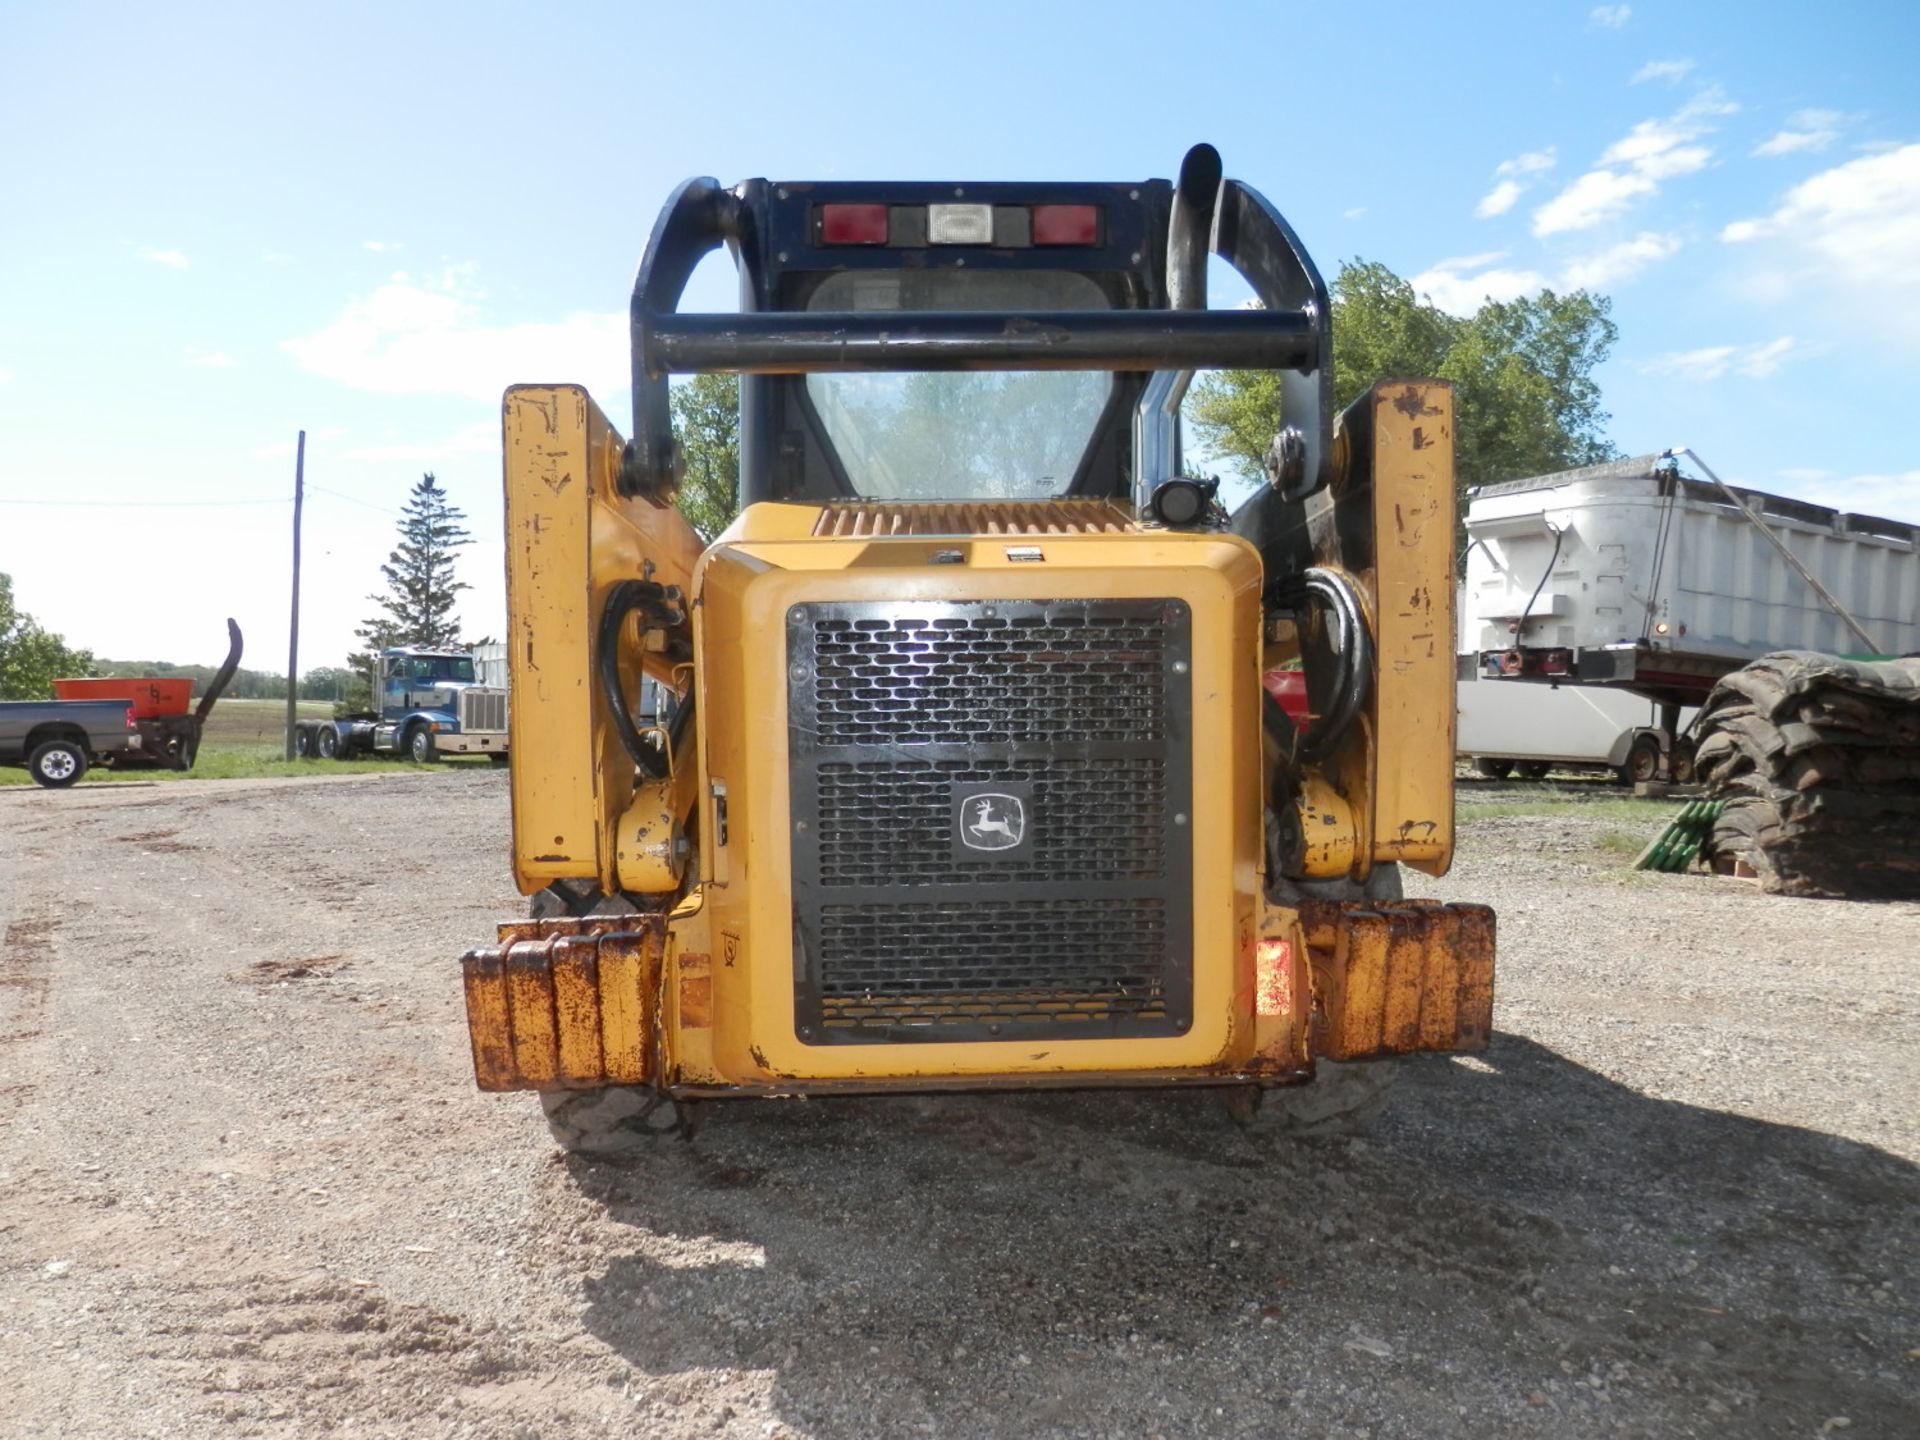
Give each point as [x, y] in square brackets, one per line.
[1353, 214]
[1597, 195]
[212, 359]
[172, 259]
[1610, 17]
[1531, 163]
[1449, 285]
[1862, 219]
[1671, 71]
[1498, 200]
[1512, 178]
[1806, 131]
[433, 337]
[1756, 362]
[480, 438]
[1462, 284]
[6, 377]
[382, 247]
[1634, 166]
[1801, 476]
[1619, 263]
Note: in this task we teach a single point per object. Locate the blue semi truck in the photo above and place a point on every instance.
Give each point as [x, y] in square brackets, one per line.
[426, 703]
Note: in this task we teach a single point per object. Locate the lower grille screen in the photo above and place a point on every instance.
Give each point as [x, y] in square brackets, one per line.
[991, 833]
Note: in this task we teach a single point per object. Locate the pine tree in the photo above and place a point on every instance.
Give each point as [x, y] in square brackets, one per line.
[417, 608]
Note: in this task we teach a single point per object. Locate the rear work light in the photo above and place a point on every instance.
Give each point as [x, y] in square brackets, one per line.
[960, 224]
[1004, 227]
[853, 224]
[1066, 225]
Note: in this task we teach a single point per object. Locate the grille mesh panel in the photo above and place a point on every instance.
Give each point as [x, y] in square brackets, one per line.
[1074, 713]
[891, 823]
[952, 680]
[1009, 963]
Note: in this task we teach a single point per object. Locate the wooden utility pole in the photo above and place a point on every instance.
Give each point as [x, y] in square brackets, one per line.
[293, 628]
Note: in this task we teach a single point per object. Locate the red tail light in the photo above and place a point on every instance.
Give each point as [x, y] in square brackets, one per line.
[130, 724]
[853, 224]
[1066, 224]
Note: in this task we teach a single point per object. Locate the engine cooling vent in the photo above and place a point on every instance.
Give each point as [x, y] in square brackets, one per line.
[991, 806]
[1041, 517]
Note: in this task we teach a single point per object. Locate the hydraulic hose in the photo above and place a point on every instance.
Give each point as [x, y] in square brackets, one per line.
[660, 607]
[1352, 645]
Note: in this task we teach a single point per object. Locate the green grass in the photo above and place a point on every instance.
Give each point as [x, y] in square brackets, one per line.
[246, 740]
[1552, 806]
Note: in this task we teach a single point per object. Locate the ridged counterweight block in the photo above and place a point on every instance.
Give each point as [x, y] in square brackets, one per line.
[1396, 978]
[565, 1003]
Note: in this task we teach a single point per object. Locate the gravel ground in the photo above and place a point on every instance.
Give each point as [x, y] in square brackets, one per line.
[246, 1186]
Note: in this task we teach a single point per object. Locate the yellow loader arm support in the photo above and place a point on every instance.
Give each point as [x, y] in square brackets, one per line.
[573, 542]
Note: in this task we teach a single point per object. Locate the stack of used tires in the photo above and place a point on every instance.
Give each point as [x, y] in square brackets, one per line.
[1817, 762]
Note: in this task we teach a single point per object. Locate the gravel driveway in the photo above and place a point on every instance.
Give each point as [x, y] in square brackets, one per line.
[246, 1185]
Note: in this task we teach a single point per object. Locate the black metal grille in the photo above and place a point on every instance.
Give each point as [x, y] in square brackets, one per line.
[997, 674]
[1074, 712]
[1012, 964]
[891, 822]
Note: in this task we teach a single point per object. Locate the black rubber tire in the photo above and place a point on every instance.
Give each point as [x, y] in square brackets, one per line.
[326, 743]
[1642, 762]
[1494, 769]
[575, 899]
[57, 764]
[1680, 762]
[303, 742]
[420, 746]
[499, 759]
[1341, 1099]
[1533, 769]
[617, 1122]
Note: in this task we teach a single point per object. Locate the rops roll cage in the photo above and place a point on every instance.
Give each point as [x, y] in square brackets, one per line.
[1292, 334]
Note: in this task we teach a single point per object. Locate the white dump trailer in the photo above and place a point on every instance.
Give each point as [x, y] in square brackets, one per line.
[1636, 575]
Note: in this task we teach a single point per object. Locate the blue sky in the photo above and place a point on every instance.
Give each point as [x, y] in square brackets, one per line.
[227, 223]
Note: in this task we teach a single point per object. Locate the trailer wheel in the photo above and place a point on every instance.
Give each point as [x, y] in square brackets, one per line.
[616, 1122]
[420, 746]
[56, 764]
[1533, 770]
[1642, 762]
[1494, 769]
[303, 742]
[499, 758]
[327, 743]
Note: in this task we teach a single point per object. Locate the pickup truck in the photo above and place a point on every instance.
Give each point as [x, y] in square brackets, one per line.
[58, 739]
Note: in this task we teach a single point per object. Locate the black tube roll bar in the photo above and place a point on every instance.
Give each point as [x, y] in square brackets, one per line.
[1291, 334]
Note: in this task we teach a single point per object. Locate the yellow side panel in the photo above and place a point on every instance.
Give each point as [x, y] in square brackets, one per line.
[571, 537]
[1414, 707]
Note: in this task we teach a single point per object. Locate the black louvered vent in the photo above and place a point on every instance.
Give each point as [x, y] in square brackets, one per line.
[991, 820]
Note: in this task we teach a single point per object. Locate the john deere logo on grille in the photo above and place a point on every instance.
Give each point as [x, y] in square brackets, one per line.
[991, 824]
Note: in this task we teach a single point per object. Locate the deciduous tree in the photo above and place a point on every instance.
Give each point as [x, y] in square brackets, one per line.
[1525, 398]
[706, 422]
[30, 657]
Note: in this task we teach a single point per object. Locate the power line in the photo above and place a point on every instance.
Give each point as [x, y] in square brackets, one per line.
[350, 499]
